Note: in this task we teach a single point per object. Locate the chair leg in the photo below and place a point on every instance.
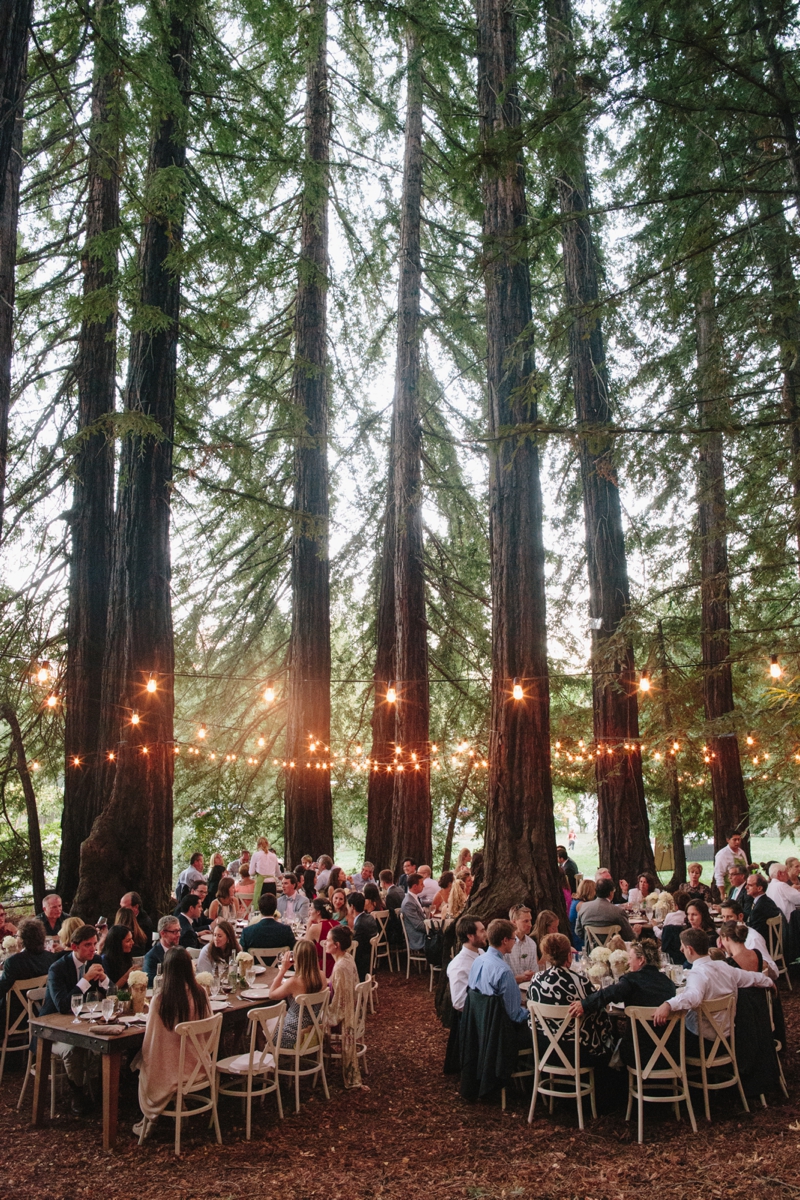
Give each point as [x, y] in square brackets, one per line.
[533, 1097]
[25, 1081]
[783, 1080]
[592, 1094]
[53, 1085]
[741, 1089]
[706, 1097]
[676, 1108]
[630, 1098]
[178, 1113]
[688, 1099]
[297, 1087]
[503, 1100]
[279, 1098]
[640, 1113]
[216, 1116]
[579, 1099]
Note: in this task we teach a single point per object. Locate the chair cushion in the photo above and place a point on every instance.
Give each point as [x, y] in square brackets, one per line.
[240, 1064]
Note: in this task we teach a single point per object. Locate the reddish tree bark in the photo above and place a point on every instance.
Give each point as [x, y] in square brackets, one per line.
[411, 808]
[731, 809]
[378, 847]
[130, 845]
[31, 808]
[309, 812]
[520, 859]
[671, 771]
[622, 826]
[93, 492]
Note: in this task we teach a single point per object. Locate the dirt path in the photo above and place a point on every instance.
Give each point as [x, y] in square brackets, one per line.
[411, 1135]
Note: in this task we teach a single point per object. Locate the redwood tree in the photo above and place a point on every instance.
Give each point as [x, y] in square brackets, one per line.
[130, 845]
[378, 847]
[727, 784]
[520, 858]
[309, 814]
[622, 825]
[411, 809]
[91, 516]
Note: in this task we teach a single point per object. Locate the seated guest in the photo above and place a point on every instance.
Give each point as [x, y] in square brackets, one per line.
[732, 938]
[225, 906]
[586, 892]
[409, 868]
[694, 889]
[337, 881]
[214, 877]
[338, 904]
[738, 885]
[442, 897]
[245, 886]
[192, 875]
[190, 910]
[133, 901]
[413, 914]
[364, 927]
[324, 874]
[546, 922]
[181, 999]
[372, 898]
[305, 981]
[6, 929]
[492, 976]
[203, 922]
[429, 886]
[731, 910]
[81, 970]
[65, 934]
[219, 951]
[707, 980]
[601, 911]
[647, 886]
[51, 915]
[793, 871]
[169, 936]
[697, 917]
[242, 861]
[365, 875]
[524, 958]
[293, 904]
[306, 876]
[118, 954]
[392, 894]
[342, 1009]
[643, 984]
[471, 934]
[781, 892]
[568, 866]
[30, 961]
[457, 901]
[320, 923]
[463, 860]
[126, 917]
[762, 907]
[559, 985]
[269, 932]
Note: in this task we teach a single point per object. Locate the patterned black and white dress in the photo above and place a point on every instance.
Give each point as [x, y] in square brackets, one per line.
[560, 986]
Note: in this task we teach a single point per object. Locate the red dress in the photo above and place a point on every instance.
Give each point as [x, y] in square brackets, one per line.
[325, 927]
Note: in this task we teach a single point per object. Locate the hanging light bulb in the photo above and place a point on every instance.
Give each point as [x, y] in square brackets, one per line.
[434, 748]
[52, 701]
[134, 718]
[151, 684]
[43, 674]
[261, 741]
[391, 694]
[775, 668]
[269, 692]
[644, 681]
[516, 689]
[676, 746]
[201, 733]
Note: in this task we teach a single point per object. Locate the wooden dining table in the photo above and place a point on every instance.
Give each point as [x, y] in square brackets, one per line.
[111, 1048]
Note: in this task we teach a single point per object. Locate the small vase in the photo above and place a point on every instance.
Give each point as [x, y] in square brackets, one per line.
[138, 998]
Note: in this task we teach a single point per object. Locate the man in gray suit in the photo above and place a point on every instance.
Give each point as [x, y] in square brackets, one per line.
[292, 901]
[413, 913]
[601, 911]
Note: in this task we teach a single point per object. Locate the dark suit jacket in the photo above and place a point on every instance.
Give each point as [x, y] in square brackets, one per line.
[763, 909]
[62, 979]
[740, 894]
[152, 959]
[188, 934]
[49, 930]
[646, 987]
[394, 897]
[267, 934]
[364, 927]
[23, 965]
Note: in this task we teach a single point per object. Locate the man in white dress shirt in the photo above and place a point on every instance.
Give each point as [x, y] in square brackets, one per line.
[430, 887]
[471, 933]
[524, 957]
[292, 904]
[709, 979]
[727, 856]
[781, 892]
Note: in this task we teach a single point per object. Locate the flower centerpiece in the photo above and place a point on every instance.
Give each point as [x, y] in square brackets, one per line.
[137, 982]
[598, 971]
[245, 962]
[651, 901]
[205, 979]
[600, 954]
[618, 962]
[9, 944]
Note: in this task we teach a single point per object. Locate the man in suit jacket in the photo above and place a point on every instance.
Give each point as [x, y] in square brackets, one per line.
[413, 913]
[268, 933]
[169, 936]
[409, 868]
[31, 962]
[364, 927]
[601, 911]
[762, 908]
[82, 970]
[738, 890]
[292, 901]
[191, 910]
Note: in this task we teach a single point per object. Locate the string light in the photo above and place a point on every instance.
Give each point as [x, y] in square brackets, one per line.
[261, 741]
[134, 718]
[111, 756]
[151, 684]
[775, 668]
[201, 733]
[391, 694]
[269, 692]
[52, 701]
[644, 681]
[43, 674]
[516, 689]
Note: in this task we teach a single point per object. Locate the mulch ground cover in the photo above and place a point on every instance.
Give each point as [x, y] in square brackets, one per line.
[412, 1135]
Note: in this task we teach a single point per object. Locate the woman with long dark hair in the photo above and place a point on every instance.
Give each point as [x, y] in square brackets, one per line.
[127, 917]
[181, 999]
[225, 906]
[118, 954]
[220, 949]
[320, 922]
[214, 876]
[337, 881]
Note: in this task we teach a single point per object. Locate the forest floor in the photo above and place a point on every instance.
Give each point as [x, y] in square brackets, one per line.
[412, 1133]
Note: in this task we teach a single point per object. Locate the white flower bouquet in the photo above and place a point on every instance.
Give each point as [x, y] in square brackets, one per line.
[9, 944]
[598, 971]
[137, 979]
[205, 979]
[245, 961]
[651, 901]
[619, 961]
[600, 954]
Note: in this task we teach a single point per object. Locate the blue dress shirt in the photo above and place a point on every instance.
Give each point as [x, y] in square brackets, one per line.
[492, 976]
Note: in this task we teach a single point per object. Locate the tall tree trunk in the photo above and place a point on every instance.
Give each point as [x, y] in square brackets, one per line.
[727, 784]
[93, 492]
[130, 845]
[309, 813]
[671, 770]
[15, 16]
[31, 809]
[411, 809]
[771, 25]
[378, 848]
[451, 823]
[622, 825]
[776, 243]
[520, 858]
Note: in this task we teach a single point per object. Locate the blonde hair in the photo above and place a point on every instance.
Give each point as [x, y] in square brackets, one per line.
[68, 928]
[543, 922]
[587, 890]
[307, 966]
[693, 866]
[458, 898]
[262, 844]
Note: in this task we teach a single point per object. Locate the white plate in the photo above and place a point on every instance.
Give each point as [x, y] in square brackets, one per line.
[256, 994]
[218, 1005]
[258, 970]
[134, 1019]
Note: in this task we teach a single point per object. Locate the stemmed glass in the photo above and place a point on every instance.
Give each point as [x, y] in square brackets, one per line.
[107, 1007]
[216, 984]
[76, 1004]
[250, 977]
[93, 1002]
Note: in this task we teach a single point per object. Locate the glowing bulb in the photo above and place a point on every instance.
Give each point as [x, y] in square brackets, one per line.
[177, 749]
[111, 756]
[151, 685]
[516, 690]
[775, 668]
[135, 719]
[144, 750]
[261, 741]
[269, 692]
[558, 745]
[434, 748]
[76, 762]
[35, 766]
[644, 681]
[201, 733]
[676, 746]
[313, 747]
[391, 694]
[359, 750]
[749, 740]
[43, 674]
[52, 701]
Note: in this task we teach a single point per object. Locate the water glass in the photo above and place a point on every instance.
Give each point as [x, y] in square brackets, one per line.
[108, 1006]
[250, 977]
[216, 984]
[76, 1004]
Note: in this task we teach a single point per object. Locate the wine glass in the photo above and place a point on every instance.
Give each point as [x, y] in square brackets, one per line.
[107, 1007]
[216, 984]
[76, 1004]
[250, 977]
